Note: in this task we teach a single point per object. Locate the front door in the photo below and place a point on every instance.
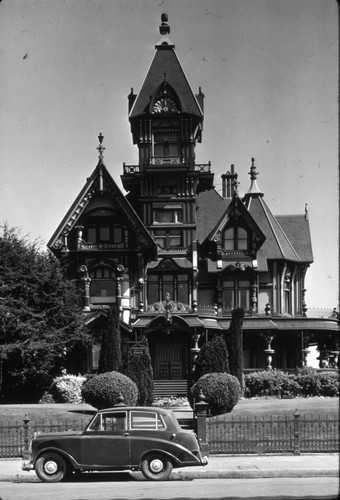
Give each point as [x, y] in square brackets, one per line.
[169, 360]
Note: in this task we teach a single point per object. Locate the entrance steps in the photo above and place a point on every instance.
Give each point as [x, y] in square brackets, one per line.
[168, 388]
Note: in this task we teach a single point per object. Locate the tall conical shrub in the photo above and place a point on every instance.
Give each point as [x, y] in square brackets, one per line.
[110, 358]
[234, 341]
[139, 369]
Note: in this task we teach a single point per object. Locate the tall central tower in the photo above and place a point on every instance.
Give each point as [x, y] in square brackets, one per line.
[166, 120]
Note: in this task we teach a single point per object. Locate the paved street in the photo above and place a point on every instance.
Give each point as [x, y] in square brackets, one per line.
[218, 489]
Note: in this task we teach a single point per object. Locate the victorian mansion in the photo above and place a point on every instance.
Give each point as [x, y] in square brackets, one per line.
[173, 256]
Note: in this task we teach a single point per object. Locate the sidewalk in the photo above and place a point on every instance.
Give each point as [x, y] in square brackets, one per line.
[225, 466]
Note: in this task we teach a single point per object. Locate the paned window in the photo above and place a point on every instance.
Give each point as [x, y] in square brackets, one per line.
[103, 284]
[168, 238]
[176, 284]
[236, 293]
[103, 233]
[235, 238]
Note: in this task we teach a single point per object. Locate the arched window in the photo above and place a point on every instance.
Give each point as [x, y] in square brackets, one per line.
[235, 238]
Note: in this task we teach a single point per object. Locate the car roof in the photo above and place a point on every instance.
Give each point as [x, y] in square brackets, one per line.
[136, 408]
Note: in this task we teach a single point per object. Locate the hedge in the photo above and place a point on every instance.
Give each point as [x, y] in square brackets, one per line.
[276, 383]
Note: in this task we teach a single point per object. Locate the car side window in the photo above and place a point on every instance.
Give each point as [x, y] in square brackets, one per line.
[146, 421]
[114, 421]
[109, 422]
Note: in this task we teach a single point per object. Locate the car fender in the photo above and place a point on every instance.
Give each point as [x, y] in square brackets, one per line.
[53, 449]
[174, 460]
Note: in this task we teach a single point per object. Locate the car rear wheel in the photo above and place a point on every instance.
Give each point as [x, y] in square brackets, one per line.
[51, 467]
[156, 467]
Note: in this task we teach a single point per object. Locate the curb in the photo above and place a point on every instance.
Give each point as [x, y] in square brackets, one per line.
[253, 474]
[181, 475]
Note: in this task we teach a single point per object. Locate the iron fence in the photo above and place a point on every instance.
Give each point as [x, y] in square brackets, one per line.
[12, 436]
[292, 433]
[226, 434]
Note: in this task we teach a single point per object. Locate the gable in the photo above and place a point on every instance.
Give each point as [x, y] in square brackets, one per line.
[100, 198]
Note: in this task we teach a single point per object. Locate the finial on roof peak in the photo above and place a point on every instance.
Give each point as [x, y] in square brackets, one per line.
[164, 28]
[253, 174]
[254, 189]
[101, 148]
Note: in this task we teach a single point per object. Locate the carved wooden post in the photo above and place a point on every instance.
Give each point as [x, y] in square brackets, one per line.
[201, 413]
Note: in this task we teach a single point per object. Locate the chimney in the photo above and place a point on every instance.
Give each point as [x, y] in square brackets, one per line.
[228, 183]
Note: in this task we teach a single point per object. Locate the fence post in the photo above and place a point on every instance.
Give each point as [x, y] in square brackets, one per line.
[201, 412]
[26, 449]
[296, 433]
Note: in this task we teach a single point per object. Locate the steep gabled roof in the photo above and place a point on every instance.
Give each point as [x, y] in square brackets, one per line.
[166, 66]
[296, 227]
[100, 181]
[277, 245]
[210, 207]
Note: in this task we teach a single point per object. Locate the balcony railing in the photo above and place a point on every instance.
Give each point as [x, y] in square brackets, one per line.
[167, 160]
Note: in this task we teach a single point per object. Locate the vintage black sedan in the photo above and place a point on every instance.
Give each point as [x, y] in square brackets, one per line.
[122, 438]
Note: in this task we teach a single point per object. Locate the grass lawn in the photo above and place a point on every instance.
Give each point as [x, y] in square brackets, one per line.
[48, 412]
[310, 406]
[83, 412]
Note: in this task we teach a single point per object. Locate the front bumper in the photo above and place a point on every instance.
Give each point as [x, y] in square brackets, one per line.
[27, 465]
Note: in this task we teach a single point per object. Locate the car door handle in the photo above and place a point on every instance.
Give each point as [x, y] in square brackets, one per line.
[126, 434]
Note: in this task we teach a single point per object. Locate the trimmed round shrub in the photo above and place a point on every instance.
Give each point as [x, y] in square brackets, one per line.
[221, 390]
[67, 388]
[105, 390]
[271, 383]
[329, 384]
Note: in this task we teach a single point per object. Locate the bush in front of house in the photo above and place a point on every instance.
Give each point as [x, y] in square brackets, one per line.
[139, 369]
[212, 358]
[273, 383]
[67, 388]
[318, 383]
[105, 390]
[308, 382]
[221, 390]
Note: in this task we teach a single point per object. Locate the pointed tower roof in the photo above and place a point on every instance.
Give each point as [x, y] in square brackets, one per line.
[165, 67]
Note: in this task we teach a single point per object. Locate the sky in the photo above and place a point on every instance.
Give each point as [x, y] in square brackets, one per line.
[269, 72]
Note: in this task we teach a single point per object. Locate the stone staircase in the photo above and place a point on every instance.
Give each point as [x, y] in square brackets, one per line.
[168, 388]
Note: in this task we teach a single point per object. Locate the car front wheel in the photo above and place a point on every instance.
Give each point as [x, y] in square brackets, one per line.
[51, 467]
[156, 467]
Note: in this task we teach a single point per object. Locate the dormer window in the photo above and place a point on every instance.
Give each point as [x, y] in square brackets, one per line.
[235, 238]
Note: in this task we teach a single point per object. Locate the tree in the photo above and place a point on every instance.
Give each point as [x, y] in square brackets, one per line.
[40, 317]
[110, 358]
[139, 369]
[213, 357]
[234, 341]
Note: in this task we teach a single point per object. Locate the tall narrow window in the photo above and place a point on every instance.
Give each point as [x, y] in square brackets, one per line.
[236, 293]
